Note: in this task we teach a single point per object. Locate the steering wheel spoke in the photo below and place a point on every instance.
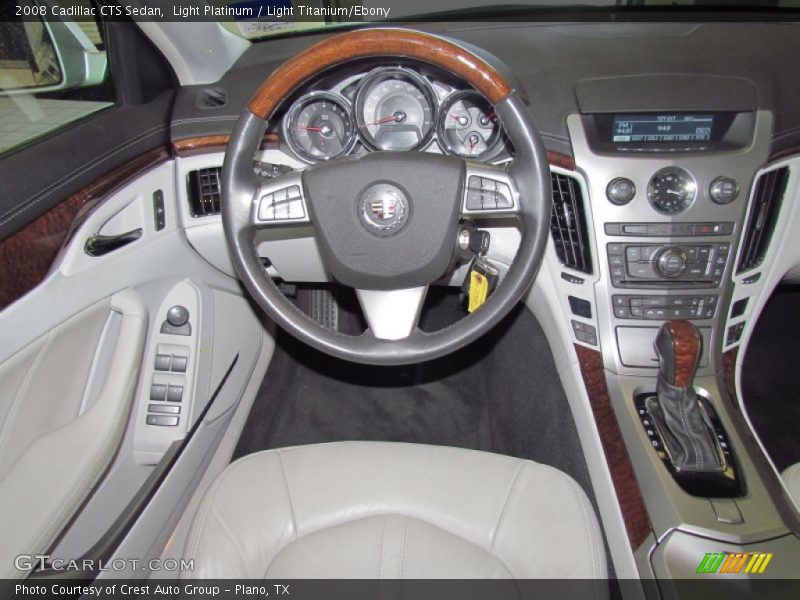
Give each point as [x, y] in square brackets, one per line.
[392, 314]
[489, 192]
[281, 201]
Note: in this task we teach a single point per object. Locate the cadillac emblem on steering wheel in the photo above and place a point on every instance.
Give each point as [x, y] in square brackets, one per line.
[383, 208]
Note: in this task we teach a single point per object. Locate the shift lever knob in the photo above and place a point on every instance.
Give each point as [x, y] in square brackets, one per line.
[678, 346]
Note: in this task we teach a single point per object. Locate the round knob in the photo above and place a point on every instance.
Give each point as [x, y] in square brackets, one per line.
[723, 190]
[178, 316]
[671, 262]
[620, 191]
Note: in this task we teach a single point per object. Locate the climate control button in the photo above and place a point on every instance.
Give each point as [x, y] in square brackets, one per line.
[671, 262]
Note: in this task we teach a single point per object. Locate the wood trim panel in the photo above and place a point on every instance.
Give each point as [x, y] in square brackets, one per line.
[557, 159]
[27, 255]
[215, 143]
[634, 513]
[687, 342]
[377, 42]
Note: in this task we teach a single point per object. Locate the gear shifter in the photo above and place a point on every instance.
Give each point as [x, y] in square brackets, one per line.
[676, 408]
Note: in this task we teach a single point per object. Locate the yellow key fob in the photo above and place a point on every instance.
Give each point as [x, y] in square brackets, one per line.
[478, 290]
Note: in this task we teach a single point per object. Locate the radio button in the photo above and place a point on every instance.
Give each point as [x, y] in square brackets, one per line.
[723, 190]
[671, 262]
[620, 191]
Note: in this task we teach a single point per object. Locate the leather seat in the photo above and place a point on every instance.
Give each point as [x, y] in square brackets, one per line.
[391, 510]
[791, 476]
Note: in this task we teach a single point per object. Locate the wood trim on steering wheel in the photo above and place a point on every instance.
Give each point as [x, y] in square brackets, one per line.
[377, 42]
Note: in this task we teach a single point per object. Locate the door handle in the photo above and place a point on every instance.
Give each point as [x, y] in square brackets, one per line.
[98, 245]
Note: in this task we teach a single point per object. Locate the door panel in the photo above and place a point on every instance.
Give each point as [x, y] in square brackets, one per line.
[64, 404]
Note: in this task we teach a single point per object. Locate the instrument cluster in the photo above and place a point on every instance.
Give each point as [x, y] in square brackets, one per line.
[392, 109]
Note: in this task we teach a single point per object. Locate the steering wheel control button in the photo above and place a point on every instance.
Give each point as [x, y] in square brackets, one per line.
[163, 362]
[723, 190]
[158, 392]
[620, 191]
[285, 204]
[485, 194]
[383, 209]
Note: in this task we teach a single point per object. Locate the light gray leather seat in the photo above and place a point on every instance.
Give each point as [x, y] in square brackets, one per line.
[792, 478]
[390, 510]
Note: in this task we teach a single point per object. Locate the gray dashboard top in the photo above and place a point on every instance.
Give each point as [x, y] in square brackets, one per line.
[729, 64]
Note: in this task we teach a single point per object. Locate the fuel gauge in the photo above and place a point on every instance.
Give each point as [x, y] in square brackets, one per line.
[468, 126]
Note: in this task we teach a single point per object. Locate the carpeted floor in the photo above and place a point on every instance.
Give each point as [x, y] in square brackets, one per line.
[501, 394]
[771, 377]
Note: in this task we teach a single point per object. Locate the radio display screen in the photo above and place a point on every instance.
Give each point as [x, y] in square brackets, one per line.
[655, 128]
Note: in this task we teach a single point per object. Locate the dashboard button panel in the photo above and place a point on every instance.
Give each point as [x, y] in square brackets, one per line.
[668, 229]
[667, 266]
[661, 308]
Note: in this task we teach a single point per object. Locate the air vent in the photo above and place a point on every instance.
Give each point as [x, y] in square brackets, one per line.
[204, 191]
[213, 97]
[568, 224]
[764, 210]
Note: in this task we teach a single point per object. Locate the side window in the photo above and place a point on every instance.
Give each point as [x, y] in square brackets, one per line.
[53, 71]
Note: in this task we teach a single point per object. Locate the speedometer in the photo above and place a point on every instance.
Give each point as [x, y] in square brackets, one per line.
[395, 110]
[319, 127]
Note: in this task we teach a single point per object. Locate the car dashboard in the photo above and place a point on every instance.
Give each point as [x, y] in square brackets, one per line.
[671, 149]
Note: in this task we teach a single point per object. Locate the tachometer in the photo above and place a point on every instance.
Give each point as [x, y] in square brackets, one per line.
[319, 127]
[395, 110]
[468, 126]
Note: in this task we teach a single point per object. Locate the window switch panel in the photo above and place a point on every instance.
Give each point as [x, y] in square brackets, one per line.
[175, 393]
[163, 362]
[158, 392]
[167, 409]
[162, 420]
[179, 364]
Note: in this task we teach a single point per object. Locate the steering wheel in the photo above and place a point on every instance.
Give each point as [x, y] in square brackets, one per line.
[387, 223]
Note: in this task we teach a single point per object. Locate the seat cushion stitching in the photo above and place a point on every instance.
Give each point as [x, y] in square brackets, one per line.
[576, 490]
[289, 494]
[505, 504]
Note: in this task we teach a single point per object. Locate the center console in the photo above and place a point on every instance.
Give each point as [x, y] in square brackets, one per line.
[669, 196]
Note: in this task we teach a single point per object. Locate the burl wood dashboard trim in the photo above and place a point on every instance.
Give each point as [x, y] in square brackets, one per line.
[631, 503]
[688, 344]
[215, 143]
[365, 43]
[27, 255]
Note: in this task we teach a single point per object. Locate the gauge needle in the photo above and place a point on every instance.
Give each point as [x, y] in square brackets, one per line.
[399, 116]
[312, 128]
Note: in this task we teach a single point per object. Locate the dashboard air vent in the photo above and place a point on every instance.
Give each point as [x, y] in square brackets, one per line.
[204, 191]
[568, 224]
[764, 210]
